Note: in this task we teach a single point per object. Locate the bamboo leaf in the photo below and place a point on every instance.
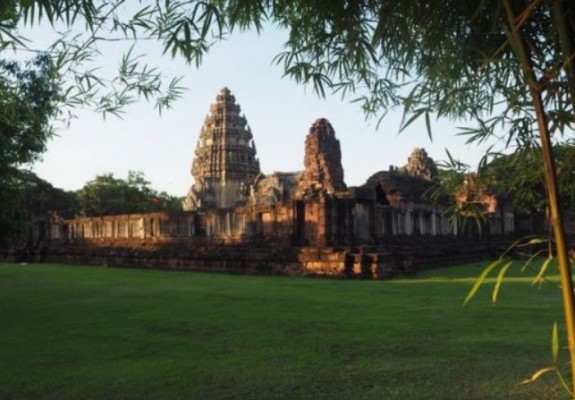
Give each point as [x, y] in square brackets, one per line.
[515, 244]
[480, 280]
[538, 374]
[414, 116]
[555, 344]
[533, 257]
[536, 241]
[428, 126]
[499, 281]
[542, 270]
[451, 161]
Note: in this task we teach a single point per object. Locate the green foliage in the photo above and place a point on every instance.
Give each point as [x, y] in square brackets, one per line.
[535, 247]
[458, 192]
[554, 361]
[522, 176]
[110, 333]
[40, 197]
[107, 195]
[29, 95]
[518, 177]
[81, 26]
[27, 197]
[383, 53]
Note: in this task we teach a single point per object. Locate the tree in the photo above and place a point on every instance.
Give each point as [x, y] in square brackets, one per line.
[521, 175]
[107, 195]
[25, 197]
[29, 94]
[36, 93]
[40, 197]
[504, 64]
[518, 177]
[84, 24]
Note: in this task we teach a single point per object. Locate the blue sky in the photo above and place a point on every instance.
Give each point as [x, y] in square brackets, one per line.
[278, 110]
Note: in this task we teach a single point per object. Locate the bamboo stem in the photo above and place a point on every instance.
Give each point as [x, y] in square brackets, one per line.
[556, 213]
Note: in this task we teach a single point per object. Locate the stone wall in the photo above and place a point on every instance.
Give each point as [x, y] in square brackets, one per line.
[401, 256]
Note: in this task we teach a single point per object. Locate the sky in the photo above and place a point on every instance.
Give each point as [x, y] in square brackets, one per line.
[278, 110]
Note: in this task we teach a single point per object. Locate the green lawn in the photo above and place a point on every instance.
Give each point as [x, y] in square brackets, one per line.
[101, 333]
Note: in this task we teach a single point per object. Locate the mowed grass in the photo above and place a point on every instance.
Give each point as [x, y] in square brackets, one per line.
[74, 332]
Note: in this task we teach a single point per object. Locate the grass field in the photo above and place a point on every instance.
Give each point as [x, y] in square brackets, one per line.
[102, 333]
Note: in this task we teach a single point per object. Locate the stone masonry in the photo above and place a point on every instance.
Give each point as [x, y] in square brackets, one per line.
[237, 219]
[225, 162]
[323, 172]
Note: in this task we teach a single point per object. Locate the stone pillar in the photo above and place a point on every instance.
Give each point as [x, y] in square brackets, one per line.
[408, 223]
[228, 224]
[422, 227]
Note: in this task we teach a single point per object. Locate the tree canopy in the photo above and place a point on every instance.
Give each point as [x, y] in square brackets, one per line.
[521, 176]
[108, 195]
[25, 196]
[29, 94]
[383, 53]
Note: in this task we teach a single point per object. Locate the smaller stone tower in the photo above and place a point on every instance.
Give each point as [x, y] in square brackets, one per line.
[225, 162]
[420, 165]
[323, 172]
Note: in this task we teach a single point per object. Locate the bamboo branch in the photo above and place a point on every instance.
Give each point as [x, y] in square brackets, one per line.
[518, 45]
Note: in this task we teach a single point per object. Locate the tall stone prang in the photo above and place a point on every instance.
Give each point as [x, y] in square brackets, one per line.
[225, 162]
[420, 165]
[323, 172]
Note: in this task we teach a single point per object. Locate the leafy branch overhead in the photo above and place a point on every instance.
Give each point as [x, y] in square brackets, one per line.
[385, 54]
[79, 29]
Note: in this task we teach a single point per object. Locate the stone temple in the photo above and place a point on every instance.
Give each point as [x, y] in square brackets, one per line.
[225, 162]
[238, 219]
[226, 169]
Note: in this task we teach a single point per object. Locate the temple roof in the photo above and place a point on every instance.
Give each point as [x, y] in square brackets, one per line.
[399, 187]
[225, 162]
[323, 171]
[225, 146]
[276, 187]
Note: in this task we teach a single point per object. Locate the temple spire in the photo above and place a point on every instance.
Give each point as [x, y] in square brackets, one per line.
[225, 162]
[323, 172]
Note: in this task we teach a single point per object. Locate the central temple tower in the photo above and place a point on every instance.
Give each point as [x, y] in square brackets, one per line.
[225, 162]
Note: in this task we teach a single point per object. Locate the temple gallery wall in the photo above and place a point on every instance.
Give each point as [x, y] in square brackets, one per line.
[239, 219]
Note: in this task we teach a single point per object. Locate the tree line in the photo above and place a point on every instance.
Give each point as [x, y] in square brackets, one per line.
[31, 197]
